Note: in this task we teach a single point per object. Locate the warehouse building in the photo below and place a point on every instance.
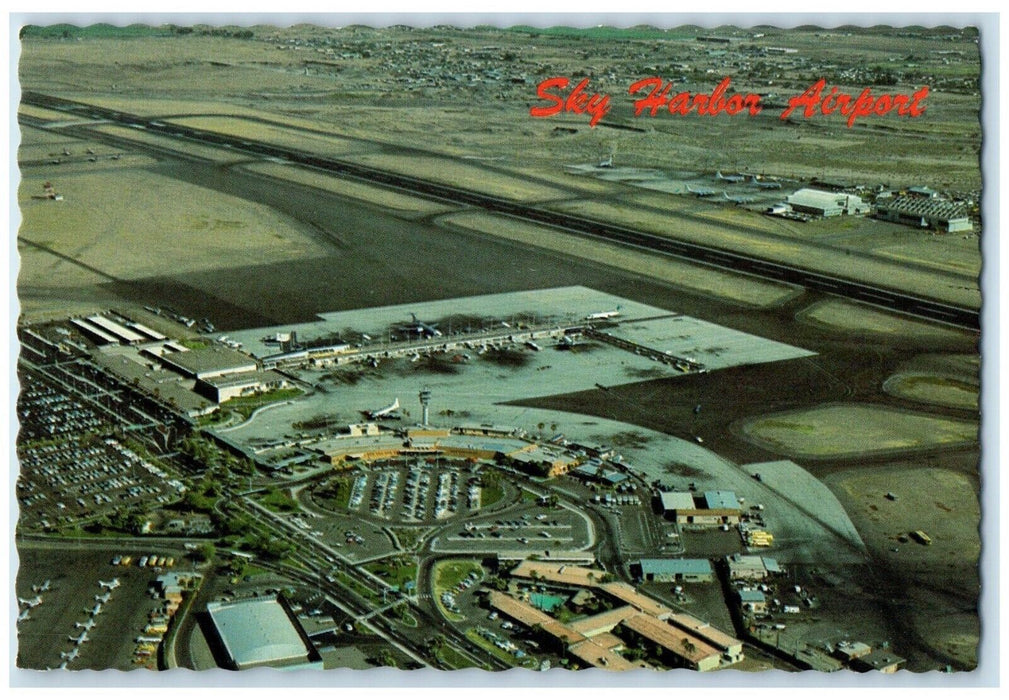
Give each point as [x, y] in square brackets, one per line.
[712, 509]
[924, 212]
[752, 601]
[826, 204]
[261, 632]
[750, 567]
[674, 570]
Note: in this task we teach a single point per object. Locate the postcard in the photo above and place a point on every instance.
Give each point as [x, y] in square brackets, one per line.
[564, 348]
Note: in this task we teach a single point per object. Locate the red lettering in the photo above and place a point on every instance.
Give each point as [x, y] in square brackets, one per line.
[809, 99]
[914, 110]
[542, 91]
[861, 108]
[883, 105]
[577, 100]
[654, 101]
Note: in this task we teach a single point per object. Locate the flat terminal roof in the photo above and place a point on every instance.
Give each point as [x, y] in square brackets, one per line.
[243, 378]
[215, 358]
[258, 631]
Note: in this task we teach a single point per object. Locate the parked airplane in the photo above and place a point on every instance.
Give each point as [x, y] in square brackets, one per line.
[24, 615]
[729, 178]
[766, 184]
[69, 656]
[739, 199]
[43, 587]
[103, 598]
[700, 191]
[428, 330]
[31, 602]
[378, 413]
[602, 315]
[114, 583]
[95, 611]
[85, 625]
[79, 639]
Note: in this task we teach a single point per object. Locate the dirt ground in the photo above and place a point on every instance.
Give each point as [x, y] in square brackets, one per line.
[848, 430]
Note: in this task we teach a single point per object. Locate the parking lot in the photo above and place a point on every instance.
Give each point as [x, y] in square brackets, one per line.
[75, 602]
[68, 473]
[535, 528]
[416, 493]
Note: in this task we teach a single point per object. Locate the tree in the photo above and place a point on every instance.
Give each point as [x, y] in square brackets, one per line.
[205, 552]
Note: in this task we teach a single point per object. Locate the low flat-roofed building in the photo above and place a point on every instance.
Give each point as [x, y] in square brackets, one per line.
[628, 594]
[713, 508]
[675, 570]
[560, 556]
[925, 212]
[598, 656]
[519, 611]
[689, 650]
[538, 460]
[603, 622]
[731, 647]
[486, 429]
[597, 472]
[882, 660]
[826, 204]
[851, 650]
[752, 600]
[212, 361]
[562, 574]
[673, 501]
[260, 632]
[164, 386]
[746, 567]
[221, 388]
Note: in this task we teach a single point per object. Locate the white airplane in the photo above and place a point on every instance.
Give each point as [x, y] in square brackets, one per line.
[79, 640]
[148, 640]
[700, 191]
[85, 625]
[739, 198]
[729, 178]
[95, 611]
[114, 583]
[765, 184]
[24, 615]
[69, 656]
[43, 587]
[602, 315]
[103, 598]
[31, 602]
[378, 413]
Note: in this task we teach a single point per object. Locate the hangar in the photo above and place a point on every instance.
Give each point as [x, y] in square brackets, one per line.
[261, 632]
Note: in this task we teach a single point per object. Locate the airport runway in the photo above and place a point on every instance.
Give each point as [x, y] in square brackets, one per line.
[891, 299]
